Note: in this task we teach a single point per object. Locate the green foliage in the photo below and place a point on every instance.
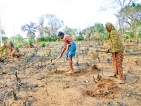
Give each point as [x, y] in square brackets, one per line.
[43, 44]
[132, 18]
[79, 38]
[30, 42]
[98, 27]
[40, 39]
[139, 35]
[129, 35]
[19, 38]
[53, 38]
[16, 38]
[19, 44]
[69, 31]
[103, 37]
[48, 53]
[4, 38]
[12, 38]
[48, 39]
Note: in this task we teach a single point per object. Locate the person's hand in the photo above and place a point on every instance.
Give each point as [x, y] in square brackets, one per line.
[60, 56]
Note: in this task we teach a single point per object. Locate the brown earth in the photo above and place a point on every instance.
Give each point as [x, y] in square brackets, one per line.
[28, 82]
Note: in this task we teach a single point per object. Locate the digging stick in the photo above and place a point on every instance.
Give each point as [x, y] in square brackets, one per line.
[100, 50]
[52, 62]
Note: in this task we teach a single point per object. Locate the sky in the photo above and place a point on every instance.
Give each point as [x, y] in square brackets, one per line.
[74, 13]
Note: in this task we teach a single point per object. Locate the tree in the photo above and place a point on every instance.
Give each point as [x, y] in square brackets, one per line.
[31, 29]
[46, 30]
[99, 28]
[69, 31]
[53, 23]
[89, 31]
[16, 38]
[19, 38]
[41, 26]
[133, 17]
[118, 5]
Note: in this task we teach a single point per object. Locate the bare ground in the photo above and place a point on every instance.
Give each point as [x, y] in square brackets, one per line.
[36, 85]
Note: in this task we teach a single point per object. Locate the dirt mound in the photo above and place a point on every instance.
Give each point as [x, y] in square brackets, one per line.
[9, 51]
[80, 73]
[104, 88]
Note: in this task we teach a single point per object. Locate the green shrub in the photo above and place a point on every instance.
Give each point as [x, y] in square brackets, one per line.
[43, 44]
[48, 53]
[20, 45]
[40, 39]
[79, 38]
[30, 42]
[139, 35]
[51, 38]
[104, 37]
[127, 37]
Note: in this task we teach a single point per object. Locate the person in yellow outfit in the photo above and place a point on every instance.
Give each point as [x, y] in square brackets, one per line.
[116, 48]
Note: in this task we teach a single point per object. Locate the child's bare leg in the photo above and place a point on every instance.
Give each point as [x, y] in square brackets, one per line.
[70, 64]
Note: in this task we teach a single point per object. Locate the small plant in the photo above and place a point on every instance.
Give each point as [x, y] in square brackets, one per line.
[43, 44]
[20, 45]
[48, 53]
[30, 42]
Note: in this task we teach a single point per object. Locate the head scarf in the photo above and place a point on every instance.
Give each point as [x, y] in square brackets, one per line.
[110, 26]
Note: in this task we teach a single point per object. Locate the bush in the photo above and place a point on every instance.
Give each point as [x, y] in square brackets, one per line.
[43, 44]
[30, 42]
[103, 37]
[139, 35]
[20, 45]
[129, 35]
[52, 38]
[79, 38]
[40, 39]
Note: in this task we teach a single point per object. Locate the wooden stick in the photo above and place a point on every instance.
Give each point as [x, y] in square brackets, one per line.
[53, 62]
[100, 50]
